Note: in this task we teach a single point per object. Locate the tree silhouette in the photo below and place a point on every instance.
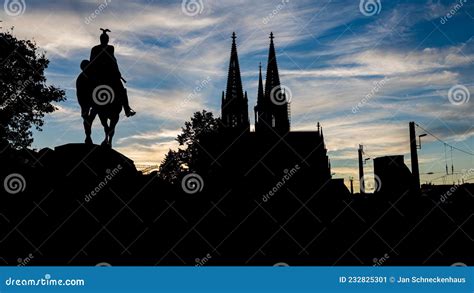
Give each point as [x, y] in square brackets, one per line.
[24, 96]
[177, 163]
[173, 166]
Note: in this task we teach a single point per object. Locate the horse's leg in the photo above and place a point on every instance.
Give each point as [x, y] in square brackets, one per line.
[88, 130]
[113, 122]
[88, 120]
[103, 120]
[87, 125]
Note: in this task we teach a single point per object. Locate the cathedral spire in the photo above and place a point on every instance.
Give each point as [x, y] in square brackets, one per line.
[260, 102]
[234, 104]
[260, 94]
[234, 81]
[273, 111]
[273, 78]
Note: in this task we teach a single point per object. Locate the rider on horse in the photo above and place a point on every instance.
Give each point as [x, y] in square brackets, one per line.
[104, 69]
[98, 74]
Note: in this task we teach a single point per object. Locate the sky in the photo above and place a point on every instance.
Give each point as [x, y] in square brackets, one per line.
[363, 69]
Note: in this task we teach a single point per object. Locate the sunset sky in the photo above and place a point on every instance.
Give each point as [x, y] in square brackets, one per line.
[364, 74]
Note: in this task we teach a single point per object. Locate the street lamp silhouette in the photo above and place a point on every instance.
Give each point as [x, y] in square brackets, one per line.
[419, 140]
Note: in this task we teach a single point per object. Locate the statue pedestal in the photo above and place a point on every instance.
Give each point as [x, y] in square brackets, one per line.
[82, 159]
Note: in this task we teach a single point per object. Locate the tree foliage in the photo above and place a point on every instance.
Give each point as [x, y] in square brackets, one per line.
[173, 166]
[24, 96]
[184, 159]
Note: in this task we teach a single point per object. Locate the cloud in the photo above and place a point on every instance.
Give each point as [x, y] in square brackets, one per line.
[147, 154]
[331, 56]
[395, 63]
[163, 134]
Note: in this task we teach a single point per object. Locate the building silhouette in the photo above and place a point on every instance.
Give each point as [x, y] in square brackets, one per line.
[394, 176]
[257, 157]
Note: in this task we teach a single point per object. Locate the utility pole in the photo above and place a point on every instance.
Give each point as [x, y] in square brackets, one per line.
[414, 157]
[361, 169]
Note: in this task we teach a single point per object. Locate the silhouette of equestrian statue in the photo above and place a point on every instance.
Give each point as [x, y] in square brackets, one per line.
[100, 90]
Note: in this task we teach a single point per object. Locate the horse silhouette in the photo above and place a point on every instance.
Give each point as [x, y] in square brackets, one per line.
[102, 99]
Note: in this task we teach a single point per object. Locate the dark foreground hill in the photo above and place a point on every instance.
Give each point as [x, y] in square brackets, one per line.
[84, 205]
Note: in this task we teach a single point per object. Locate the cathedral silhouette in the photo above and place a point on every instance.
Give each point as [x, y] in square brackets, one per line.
[257, 157]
